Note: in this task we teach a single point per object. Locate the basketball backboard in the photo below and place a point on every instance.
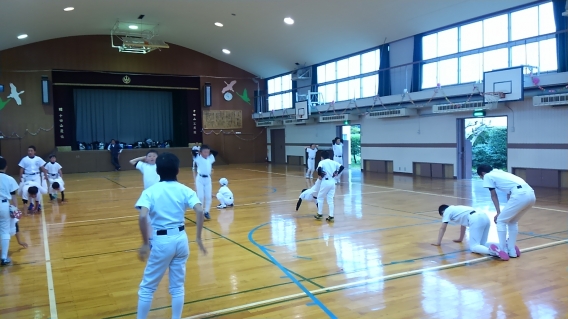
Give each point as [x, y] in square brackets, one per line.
[302, 110]
[508, 81]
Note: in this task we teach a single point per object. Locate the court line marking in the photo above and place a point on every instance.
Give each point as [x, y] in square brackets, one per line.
[103, 190]
[91, 220]
[50, 287]
[287, 273]
[361, 282]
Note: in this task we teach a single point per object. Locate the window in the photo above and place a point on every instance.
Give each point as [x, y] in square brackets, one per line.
[279, 92]
[350, 77]
[522, 37]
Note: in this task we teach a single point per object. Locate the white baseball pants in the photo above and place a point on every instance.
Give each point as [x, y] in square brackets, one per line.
[479, 225]
[224, 200]
[311, 167]
[203, 187]
[5, 227]
[326, 192]
[519, 203]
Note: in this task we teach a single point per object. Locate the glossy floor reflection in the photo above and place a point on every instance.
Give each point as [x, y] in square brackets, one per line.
[267, 261]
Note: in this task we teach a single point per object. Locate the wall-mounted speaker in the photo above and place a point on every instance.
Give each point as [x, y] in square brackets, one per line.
[44, 90]
[207, 95]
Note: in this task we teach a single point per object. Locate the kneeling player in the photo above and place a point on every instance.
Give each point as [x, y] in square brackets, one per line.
[310, 194]
[32, 191]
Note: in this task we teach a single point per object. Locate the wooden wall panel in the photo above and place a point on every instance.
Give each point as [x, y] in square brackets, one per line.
[25, 65]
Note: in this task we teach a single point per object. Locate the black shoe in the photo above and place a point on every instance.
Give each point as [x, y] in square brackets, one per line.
[5, 262]
[318, 216]
[207, 215]
[329, 219]
[51, 197]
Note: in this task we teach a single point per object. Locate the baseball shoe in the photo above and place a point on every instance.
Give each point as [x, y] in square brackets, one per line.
[503, 255]
[230, 205]
[318, 216]
[329, 219]
[6, 261]
[516, 253]
[207, 215]
[221, 206]
[31, 207]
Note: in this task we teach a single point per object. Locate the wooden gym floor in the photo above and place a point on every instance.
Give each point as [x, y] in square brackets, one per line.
[267, 261]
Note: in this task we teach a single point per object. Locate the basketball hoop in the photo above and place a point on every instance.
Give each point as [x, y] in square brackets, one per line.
[492, 99]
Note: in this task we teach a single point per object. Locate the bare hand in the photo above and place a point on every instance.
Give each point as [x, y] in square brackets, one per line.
[144, 252]
[457, 240]
[436, 245]
[23, 244]
[495, 219]
[201, 247]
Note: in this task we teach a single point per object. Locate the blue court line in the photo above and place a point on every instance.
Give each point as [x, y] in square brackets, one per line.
[540, 235]
[309, 304]
[287, 273]
[270, 250]
[302, 257]
[273, 189]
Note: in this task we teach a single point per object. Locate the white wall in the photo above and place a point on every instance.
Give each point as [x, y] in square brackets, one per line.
[401, 52]
[527, 125]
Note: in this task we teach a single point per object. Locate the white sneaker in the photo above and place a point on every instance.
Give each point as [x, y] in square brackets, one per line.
[221, 206]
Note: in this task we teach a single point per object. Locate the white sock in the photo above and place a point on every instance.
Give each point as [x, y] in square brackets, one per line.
[502, 240]
[513, 232]
[5, 247]
[143, 308]
[177, 306]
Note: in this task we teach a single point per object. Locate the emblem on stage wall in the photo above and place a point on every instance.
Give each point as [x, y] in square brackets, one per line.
[227, 95]
[14, 95]
[126, 79]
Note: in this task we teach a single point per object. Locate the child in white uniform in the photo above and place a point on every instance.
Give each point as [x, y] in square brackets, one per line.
[55, 178]
[147, 166]
[204, 162]
[32, 191]
[520, 198]
[31, 169]
[225, 196]
[310, 195]
[8, 189]
[311, 150]
[328, 170]
[466, 216]
[164, 204]
[337, 147]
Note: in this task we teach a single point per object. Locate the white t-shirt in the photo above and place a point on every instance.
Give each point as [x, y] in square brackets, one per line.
[7, 185]
[149, 173]
[329, 167]
[167, 203]
[53, 169]
[311, 153]
[31, 165]
[503, 181]
[23, 191]
[204, 165]
[337, 149]
[226, 192]
[458, 215]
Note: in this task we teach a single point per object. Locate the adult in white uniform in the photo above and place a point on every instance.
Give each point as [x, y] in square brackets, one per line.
[466, 216]
[165, 203]
[225, 195]
[311, 150]
[203, 182]
[8, 189]
[328, 170]
[520, 198]
[310, 195]
[31, 167]
[337, 147]
[55, 178]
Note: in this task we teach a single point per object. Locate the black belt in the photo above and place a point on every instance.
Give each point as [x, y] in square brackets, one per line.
[327, 178]
[338, 156]
[163, 232]
[311, 158]
[203, 175]
[4, 201]
[519, 187]
[53, 174]
[472, 213]
[31, 173]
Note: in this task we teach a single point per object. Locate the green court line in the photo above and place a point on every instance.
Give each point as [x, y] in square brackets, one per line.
[311, 278]
[255, 253]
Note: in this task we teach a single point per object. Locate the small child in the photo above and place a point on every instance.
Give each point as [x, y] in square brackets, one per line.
[147, 166]
[310, 194]
[204, 162]
[225, 196]
[30, 191]
[55, 178]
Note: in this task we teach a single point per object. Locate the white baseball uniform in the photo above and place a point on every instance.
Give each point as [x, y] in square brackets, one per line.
[8, 186]
[522, 199]
[166, 203]
[149, 173]
[203, 180]
[24, 186]
[477, 222]
[32, 168]
[195, 150]
[225, 196]
[311, 161]
[327, 187]
[338, 156]
[53, 176]
[311, 194]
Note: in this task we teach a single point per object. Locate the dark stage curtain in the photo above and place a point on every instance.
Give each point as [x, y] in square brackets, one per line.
[125, 115]
[417, 67]
[384, 73]
[561, 38]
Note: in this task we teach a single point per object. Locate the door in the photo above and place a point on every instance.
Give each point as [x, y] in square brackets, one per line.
[464, 152]
[278, 146]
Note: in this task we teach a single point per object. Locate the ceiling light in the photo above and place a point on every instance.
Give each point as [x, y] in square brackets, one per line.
[288, 20]
[133, 27]
[219, 24]
[22, 36]
[69, 9]
[226, 51]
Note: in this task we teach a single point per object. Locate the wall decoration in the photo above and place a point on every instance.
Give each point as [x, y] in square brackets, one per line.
[228, 96]
[244, 96]
[14, 94]
[216, 120]
[229, 86]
